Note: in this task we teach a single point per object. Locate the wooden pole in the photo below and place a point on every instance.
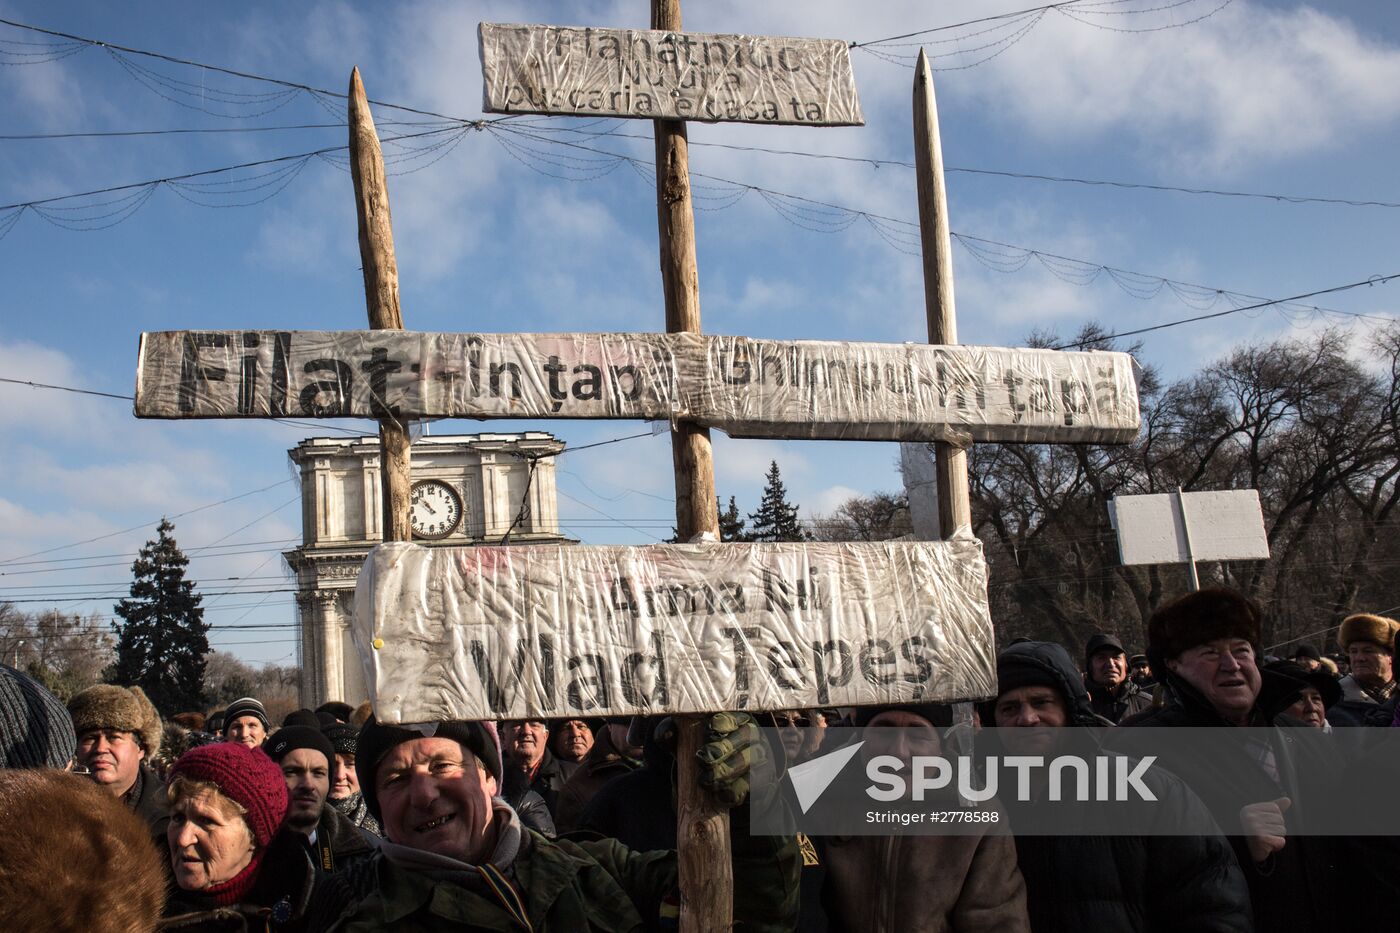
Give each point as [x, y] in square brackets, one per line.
[954, 505]
[381, 299]
[702, 829]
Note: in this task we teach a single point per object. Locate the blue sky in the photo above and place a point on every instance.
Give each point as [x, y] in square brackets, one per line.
[1275, 97]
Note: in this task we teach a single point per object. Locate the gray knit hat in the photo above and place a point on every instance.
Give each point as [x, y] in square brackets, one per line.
[245, 706]
[35, 730]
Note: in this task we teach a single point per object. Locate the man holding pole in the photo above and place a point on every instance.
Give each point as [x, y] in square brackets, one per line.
[456, 853]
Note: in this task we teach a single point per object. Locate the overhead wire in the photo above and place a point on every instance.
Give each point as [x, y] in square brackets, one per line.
[112, 46]
[146, 524]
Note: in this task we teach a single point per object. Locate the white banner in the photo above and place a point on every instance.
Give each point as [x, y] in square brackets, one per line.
[512, 632]
[1171, 528]
[651, 74]
[745, 387]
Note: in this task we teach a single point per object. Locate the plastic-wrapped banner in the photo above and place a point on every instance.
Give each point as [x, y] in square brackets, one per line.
[745, 387]
[651, 74]
[511, 632]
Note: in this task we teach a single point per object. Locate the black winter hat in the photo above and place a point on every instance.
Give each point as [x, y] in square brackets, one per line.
[939, 715]
[1283, 682]
[1307, 651]
[290, 738]
[301, 717]
[338, 710]
[345, 739]
[1100, 641]
[1045, 664]
[377, 740]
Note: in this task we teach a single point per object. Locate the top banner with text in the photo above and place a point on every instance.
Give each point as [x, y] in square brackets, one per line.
[650, 74]
[743, 386]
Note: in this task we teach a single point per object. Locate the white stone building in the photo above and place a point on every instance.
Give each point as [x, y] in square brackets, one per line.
[469, 489]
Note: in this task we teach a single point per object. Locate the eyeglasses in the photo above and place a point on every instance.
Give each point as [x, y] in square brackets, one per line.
[780, 720]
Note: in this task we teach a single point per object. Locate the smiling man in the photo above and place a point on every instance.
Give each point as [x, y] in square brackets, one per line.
[118, 731]
[1205, 646]
[530, 766]
[245, 722]
[456, 854]
[1112, 694]
[307, 760]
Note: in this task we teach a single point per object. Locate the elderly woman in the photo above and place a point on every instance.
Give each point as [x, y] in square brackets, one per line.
[232, 869]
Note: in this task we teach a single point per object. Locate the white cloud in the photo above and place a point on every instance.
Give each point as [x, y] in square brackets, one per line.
[831, 498]
[1250, 84]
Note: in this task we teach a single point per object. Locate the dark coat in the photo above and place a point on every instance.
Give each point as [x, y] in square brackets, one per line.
[550, 778]
[1128, 701]
[534, 814]
[597, 885]
[1133, 884]
[1294, 889]
[638, 808]
[1127, 884]
[339, 842]
[147, 801]
[286, 880]
[602, 763]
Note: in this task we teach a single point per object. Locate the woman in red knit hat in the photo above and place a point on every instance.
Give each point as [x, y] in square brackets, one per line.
[232, 868]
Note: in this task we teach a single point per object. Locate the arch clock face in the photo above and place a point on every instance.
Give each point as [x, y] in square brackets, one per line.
[435, 509]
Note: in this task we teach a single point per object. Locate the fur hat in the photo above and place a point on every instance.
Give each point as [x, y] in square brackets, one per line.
[106, 706]
[78, 860]
[1363, 626]
[35, 729]
[1202, 616]
[377, 740]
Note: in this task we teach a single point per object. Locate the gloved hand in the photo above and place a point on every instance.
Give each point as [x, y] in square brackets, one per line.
[733, 748]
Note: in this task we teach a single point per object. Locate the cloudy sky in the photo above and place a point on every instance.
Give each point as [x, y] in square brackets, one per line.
[544, 224]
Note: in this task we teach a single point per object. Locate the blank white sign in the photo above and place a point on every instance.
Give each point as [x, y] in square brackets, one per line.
[1221, 526]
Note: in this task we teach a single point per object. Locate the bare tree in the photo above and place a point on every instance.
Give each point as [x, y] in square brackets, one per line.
[1301, 421]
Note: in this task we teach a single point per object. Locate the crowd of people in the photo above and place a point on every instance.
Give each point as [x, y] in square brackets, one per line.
[116, 820]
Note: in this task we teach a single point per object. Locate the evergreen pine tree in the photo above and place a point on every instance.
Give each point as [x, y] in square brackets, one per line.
[775, 519]
[731, 523]
[163, 642]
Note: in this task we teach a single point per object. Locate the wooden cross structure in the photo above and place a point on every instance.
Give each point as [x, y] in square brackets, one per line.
[680, 629]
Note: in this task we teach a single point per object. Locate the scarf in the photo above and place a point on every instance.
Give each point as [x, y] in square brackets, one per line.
[354, 809]
[234, 890]
[493, 878]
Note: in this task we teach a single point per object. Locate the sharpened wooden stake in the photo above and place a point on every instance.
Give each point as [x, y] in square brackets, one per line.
[954, 505]
[702, 827]
[381, 299]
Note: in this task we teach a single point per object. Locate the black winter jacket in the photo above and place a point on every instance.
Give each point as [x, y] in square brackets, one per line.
[1295, 888]
[549, 780]
[1127, 884]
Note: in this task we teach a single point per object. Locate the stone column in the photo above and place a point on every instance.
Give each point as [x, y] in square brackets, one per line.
[322, 675]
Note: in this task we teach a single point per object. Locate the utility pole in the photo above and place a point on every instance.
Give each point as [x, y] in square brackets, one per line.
[702, 830]
[954, 504]
[381, 272]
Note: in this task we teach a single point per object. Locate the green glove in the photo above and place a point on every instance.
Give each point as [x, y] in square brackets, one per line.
[733, 747]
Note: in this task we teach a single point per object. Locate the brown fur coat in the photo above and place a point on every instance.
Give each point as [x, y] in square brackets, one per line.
[74, 858]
